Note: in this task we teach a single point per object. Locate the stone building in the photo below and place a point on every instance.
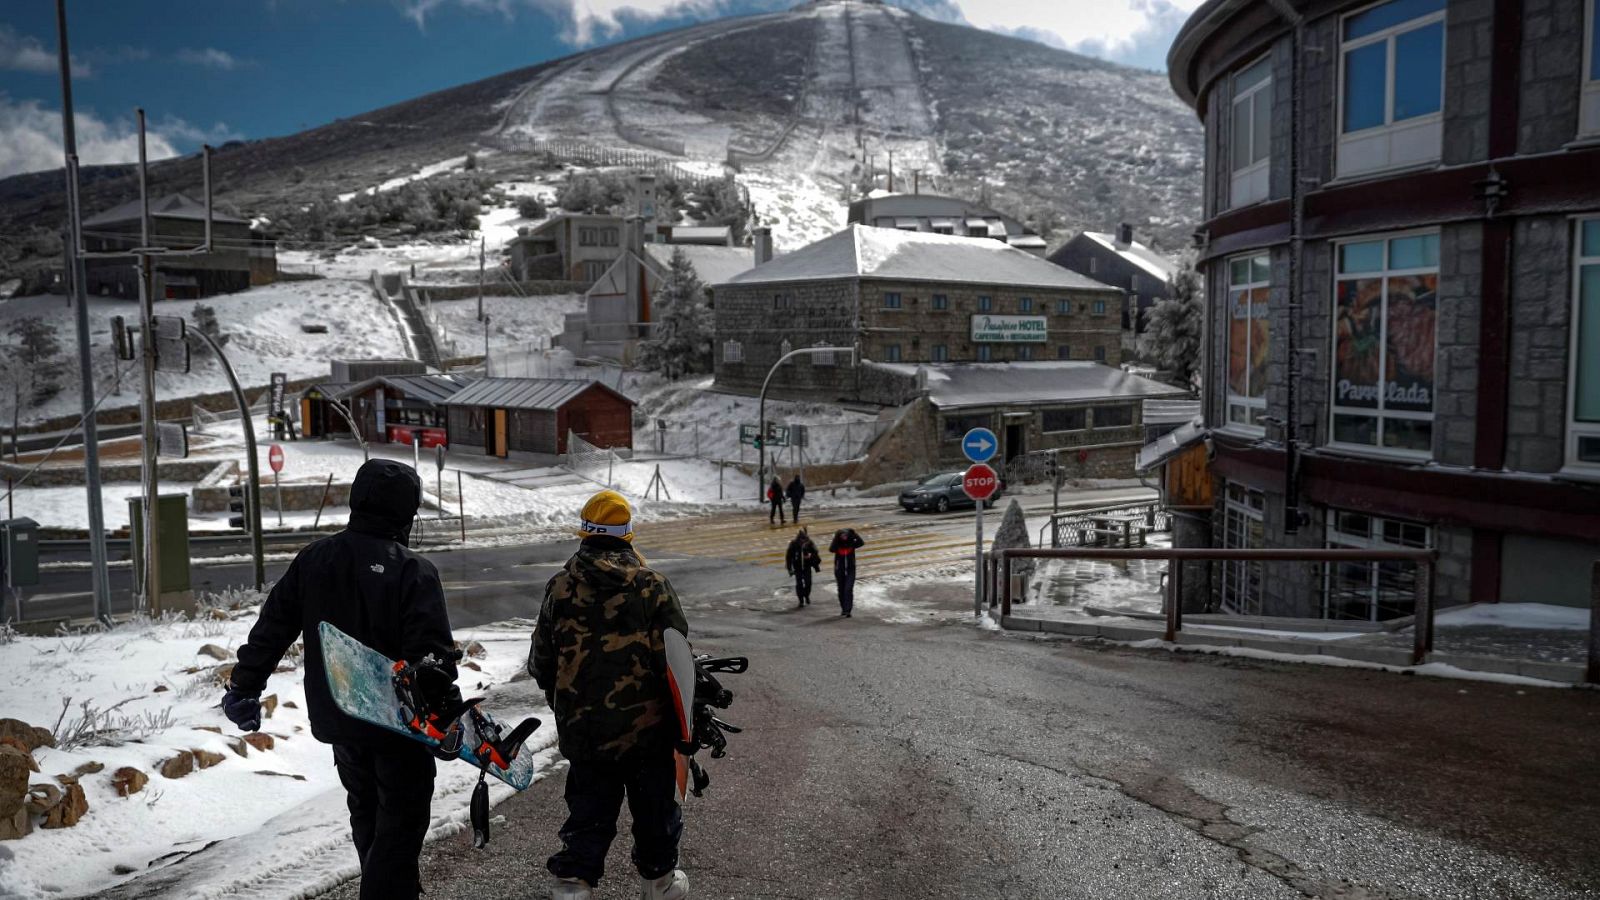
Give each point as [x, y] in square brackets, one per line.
[1120, 261]
[1402, 249]
[905, 297]
[944, 215]
[241, 257]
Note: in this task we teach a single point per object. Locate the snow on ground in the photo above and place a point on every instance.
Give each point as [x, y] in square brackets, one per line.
[68, 507]
[517, 325]
[1515, 615]
[705, 423]
[801, 209]
[265, 335]
[286, 802]
[453, 164]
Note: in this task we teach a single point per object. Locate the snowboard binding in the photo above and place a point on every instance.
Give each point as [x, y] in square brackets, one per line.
[710, 731]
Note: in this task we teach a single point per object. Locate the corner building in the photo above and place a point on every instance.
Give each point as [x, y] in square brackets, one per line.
[1402, 249]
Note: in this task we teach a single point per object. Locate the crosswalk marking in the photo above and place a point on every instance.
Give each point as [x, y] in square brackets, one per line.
[891, 547]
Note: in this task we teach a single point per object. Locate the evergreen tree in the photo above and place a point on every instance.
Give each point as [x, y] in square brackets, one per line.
[1177, 324]
[680, 345]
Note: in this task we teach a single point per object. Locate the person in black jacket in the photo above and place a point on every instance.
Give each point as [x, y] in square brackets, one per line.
[775, 497]
[845, 544]
[801, 560]
[796, 491]
[370, 586]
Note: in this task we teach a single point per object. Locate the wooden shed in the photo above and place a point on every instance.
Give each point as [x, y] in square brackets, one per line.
[398, 409]
[535, 415]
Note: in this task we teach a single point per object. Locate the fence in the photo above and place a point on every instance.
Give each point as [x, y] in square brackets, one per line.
[996, 581]
[205, 421]
[597, 155]
[826, 443]
[1081, 527]
[591, 463]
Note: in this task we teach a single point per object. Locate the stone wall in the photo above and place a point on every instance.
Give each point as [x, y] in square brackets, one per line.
[297, 497]
[905, 449]
[1541, 322]
[917, 328]
[1468, 48]
[1552, 65]
[1455, 401]
[815, 313]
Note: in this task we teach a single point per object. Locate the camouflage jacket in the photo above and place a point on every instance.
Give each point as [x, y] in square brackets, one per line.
[598, 652]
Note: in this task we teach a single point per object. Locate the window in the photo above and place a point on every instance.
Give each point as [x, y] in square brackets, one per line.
[956, 427]
[1242, 530]
[1065, 419]
[821, 359]
[941, 353]
[1583, 443]
[891, 353]
[1099, 354]
[1063, 352]
[608, 237]
[1392, 86]
[1385, 303]
[941, 301]
[1064, 307]
[588, 237]
[1249, 340]
[733, 352]
[595, 269]
[782, 301]
[1133, 282]
[1113, 416]
[985, 304]
[891, 301]
[1099, 307]
[984, 353]
[1025, 353]
[1025, 304]
[1251, 143]
[1371, 591]
[1589, 117]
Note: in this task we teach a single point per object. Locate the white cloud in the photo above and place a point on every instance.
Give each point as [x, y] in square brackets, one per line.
[586, 22]
[211, 58]
[24, 53]
[30, 138]
[1111, 28]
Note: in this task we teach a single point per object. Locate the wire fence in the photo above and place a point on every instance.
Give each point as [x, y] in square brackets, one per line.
[826, 443]
[596, 464]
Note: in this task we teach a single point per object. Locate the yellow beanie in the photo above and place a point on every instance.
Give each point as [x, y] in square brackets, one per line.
[607, 513]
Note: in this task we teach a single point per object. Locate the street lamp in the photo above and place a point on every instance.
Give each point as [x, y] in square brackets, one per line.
[761, 430]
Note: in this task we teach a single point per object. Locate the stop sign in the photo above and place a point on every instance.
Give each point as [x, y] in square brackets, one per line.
[275, 458]
[980, 482]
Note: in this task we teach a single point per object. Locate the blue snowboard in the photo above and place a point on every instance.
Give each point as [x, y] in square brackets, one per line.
[362, 682]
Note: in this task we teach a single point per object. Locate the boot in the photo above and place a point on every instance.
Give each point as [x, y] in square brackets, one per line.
[572, 889]
[672, 886]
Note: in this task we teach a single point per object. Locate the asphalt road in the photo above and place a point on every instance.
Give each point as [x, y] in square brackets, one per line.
[906, 753]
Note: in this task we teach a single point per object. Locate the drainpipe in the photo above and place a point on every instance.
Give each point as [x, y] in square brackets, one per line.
[1292, 514]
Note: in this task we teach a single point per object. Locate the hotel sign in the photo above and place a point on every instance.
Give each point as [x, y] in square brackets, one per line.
[1010, 329]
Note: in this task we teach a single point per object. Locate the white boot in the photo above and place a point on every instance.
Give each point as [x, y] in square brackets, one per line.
[572, 889]
[672, 886]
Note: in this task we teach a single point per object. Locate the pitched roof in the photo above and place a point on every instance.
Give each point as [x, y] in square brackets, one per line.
[172, 206]
[526, 393]
[1170, 444]
[862, 251]
[431, 388]
[1137, 254]
[713, 265]
[961, 385]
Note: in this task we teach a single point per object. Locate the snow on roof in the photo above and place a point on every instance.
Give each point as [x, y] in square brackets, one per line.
[862, 251]
[1138, 254]
[1169, 445]
[433, 389]
[713, 265]
[172, 206]
[962, 385]
[525, 393]
[719, 234]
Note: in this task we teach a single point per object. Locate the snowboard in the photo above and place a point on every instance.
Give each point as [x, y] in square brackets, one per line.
[681, 683]
[362, 683]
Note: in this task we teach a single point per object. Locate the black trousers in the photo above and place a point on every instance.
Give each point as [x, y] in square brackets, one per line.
[844, 573]
[389, 789]
[795, 506]
[594, 800]
[777, 510]
[802, 583]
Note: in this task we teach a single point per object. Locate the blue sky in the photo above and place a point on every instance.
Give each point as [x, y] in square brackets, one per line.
[215, 70]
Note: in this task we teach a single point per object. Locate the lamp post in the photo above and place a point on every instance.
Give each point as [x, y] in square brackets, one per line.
[761, 432]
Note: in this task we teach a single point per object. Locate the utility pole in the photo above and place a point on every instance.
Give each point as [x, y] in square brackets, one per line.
[77, 291]
[482, 247]
[147, 386]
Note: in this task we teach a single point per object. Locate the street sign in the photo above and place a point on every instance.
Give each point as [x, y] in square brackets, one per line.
[799, 435]
[748, 434]
[280, 381]
[777, 435]
[172, 344]
[439, 457]
[980, 445]
[980, 482]
[275, 459]
[172, 440]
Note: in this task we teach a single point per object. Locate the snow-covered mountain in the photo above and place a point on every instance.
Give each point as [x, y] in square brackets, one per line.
[801, 101]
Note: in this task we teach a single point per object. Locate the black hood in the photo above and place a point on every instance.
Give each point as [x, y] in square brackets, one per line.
[384, 499]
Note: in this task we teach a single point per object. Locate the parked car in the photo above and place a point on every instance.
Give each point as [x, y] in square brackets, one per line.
[942, 493]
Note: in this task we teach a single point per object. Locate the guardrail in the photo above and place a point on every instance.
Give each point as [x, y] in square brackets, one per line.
[1076, 528]
[997, 580]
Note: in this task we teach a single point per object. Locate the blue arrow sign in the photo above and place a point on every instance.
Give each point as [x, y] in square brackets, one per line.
[980, 445]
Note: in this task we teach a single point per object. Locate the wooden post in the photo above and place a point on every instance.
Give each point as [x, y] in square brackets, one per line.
[1423, 627]
[1174, 599]
[461, 500]
[1005, 581]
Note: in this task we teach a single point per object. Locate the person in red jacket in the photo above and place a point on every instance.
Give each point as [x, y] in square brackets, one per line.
[845, 544]
[775, 497]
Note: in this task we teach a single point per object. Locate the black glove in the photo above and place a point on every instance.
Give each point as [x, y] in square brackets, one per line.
[243, 708]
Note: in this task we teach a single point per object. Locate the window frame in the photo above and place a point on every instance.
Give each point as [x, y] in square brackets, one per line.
[1336, 538]
[1095, 413]
[1577, 430]
[1389, 126]
[1024, 352]
[1230, 400]
[1589, 93]
[1024, 304]
[893, 300]
[985, 303]
[1100, 353]
[1064, 351]
[1044, 420]
[985, 353]
[892, 353]
[1250, 507]
[733, 352]
[1098, 308]
[940, 302]
[940, 353]
[1380, 412]
[1257, 168]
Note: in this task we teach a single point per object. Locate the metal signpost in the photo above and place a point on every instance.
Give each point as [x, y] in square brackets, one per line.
[275, 460]
[439, 462]
[980, 445]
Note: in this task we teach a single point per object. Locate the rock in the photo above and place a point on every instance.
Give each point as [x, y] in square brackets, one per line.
[72, 808]
[161, 689]
[15, 767]
[42, 798]
[216, 653]
[67, 779]
[16, 826]
[222, 673]
[207, 758]
[290, 704]
[474, 650]
[123, 869]
[178, 766]
[472, 665]
[283, 775]
[220, 615]
[262, 742]
[22, 748]
[128, 781]
[33, 738]
[211, 728]
[239, 747]
[269, 705]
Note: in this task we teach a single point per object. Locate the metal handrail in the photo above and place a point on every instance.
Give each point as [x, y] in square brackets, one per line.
[1173, 601]
[1157, 517]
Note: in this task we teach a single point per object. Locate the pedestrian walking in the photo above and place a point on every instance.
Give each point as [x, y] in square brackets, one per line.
[796, 492]
[598, 653]
[845, 544]
[775, 497]
[803, 559]
[366, 583]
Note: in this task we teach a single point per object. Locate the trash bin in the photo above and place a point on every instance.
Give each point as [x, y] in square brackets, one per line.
[172, 520]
